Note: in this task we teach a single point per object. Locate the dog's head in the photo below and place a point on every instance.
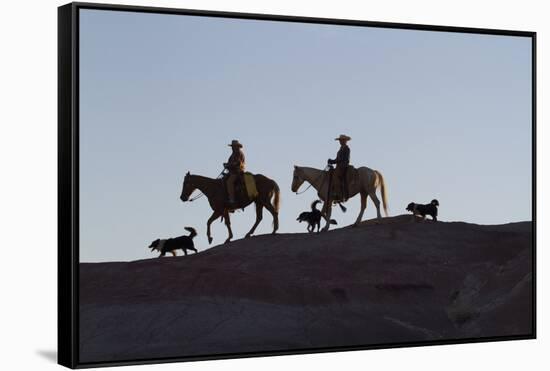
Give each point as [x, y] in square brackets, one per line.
[410, 207]
[302, 217]
[155, 245]
[435, 202]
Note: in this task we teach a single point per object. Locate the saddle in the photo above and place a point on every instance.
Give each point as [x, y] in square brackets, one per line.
[250, 185]
[245, 188]
[339, 188]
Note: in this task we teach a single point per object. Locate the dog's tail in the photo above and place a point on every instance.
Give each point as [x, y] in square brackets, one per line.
[383, 191]
[192, 231]
[314, 205]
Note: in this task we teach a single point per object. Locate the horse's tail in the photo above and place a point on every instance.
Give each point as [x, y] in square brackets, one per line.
[277, 196]
[383, 191]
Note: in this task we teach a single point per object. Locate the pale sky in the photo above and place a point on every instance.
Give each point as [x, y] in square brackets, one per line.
[441, 115]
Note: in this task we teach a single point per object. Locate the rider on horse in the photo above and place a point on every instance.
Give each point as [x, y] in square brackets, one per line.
[342, 162]
[235, 168]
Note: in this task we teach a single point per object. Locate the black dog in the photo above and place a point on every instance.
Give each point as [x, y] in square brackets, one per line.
[313, 217]
[423, 210]
[172, 244]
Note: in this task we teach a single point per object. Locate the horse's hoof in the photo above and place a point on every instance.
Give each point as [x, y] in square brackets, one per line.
[227, 241]
[210, 240]
[356, 224]
[247, 235]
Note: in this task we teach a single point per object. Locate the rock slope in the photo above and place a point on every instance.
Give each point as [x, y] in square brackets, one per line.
[379, 283]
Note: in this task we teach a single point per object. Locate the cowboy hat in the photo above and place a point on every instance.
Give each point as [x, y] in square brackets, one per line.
[343, 137]
[235, 142]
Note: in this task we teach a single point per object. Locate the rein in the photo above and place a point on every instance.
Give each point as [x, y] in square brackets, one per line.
[196, 197]
[308, 187]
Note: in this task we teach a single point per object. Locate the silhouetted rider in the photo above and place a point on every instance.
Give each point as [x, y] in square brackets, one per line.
[341, 161]
[235, 166]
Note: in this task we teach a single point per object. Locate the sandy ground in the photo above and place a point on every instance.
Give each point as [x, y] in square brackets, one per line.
[382, 282]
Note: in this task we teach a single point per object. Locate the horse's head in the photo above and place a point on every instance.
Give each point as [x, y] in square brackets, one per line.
[188, 187]
[297, 179]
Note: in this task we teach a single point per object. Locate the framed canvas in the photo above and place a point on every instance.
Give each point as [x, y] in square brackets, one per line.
[237, 185]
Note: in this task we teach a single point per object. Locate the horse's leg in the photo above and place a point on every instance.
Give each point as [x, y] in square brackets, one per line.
[259, 216]
[376, 201]
[328, 213]
[215, 215]
[324, 212]
[228, 225]
[363, 207]
[275, 215]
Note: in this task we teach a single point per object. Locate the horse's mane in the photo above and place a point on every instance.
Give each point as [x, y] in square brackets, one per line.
[306, 168]
[202, 177]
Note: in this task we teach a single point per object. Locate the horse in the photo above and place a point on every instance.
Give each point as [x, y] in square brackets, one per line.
[365, 184]
[214, 190]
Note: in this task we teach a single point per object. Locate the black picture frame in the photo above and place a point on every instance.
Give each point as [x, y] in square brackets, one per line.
[68, 176]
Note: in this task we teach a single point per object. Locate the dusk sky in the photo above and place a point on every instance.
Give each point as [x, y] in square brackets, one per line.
[440, 115]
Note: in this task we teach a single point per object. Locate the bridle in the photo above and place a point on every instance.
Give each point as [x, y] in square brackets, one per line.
[315, 181]
[220, 175]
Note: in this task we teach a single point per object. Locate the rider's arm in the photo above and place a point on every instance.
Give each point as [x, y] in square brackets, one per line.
[230, 162]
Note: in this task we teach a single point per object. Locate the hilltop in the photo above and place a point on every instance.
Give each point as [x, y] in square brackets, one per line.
[381, 282]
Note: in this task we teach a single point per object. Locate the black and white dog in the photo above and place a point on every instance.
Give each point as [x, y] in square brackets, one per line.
[423, 210]
[172, 244]
[313, 217]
